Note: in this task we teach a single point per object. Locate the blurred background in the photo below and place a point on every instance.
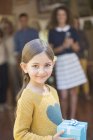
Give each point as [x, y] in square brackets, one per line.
[38, 14]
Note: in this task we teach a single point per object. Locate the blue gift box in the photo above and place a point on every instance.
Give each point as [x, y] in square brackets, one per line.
[73, 129]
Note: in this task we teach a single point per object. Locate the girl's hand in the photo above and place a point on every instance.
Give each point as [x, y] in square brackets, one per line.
[57, 136]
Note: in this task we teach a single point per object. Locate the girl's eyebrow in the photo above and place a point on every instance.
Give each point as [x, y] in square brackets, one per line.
[48, 62]
[35, 63]
[39, 63]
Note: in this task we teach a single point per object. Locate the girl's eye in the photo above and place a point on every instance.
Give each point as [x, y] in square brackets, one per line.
[47, 65]
[35, 66]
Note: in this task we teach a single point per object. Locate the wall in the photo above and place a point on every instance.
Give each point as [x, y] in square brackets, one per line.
[29, 8]
[5, 7]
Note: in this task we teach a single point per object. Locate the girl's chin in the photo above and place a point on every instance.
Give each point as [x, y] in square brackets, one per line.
[41, 81]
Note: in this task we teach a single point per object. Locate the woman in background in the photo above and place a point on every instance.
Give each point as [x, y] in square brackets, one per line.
[69, 74]
[9, 41]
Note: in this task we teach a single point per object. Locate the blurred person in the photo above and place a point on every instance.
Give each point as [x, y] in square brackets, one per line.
[8, 30]
[22, 36]
[83, 53]
[43, 33]
[68, 71]
[3, 73]
[2, 22]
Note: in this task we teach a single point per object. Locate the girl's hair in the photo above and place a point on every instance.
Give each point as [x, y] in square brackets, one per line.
[54, 22]
[31, 49]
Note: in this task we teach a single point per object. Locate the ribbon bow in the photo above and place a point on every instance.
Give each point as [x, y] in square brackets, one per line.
[73, 122]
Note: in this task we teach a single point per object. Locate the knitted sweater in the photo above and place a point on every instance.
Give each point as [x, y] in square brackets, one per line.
[37, 116]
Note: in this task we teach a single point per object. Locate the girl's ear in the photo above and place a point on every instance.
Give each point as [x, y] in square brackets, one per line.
[23, 67]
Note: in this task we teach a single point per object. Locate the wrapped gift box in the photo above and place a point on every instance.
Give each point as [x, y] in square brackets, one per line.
[73, 129]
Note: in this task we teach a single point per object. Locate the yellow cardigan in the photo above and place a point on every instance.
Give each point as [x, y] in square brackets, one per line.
[37, 116]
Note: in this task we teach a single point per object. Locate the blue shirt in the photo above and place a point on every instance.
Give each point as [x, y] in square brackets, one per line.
[57, 38]
[23, 36]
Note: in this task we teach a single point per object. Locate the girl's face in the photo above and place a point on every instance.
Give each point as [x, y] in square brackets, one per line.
[61, 17]
[39, 68]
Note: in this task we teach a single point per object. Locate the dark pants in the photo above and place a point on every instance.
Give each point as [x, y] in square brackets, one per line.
[3, 82]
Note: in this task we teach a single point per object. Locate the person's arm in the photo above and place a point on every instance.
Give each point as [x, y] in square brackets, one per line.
[75, 46]
[75, 40]
[24, 119]
[67, 42]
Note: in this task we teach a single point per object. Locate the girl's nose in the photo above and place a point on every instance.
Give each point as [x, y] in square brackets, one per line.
[41, 70]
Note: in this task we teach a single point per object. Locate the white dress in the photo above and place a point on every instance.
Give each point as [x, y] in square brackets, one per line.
[68, 70]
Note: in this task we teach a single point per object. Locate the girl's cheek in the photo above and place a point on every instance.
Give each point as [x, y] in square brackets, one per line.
[50, 72]
[32, 72]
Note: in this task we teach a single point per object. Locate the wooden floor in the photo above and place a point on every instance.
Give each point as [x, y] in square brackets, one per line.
[84, 113]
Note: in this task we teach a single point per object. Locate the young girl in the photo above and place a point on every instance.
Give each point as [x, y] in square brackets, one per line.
[38, 110]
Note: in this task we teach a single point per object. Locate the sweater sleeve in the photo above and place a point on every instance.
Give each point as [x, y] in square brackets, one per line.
[24, 117]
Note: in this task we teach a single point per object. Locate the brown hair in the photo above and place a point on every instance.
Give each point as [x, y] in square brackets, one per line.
[31, 49]
[23, 15]
[54, 22]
